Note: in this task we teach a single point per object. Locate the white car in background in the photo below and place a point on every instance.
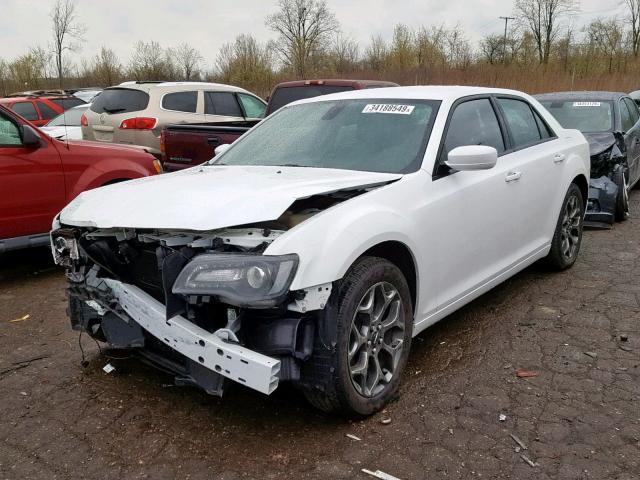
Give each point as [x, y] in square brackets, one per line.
[315, 247]
[66, 126]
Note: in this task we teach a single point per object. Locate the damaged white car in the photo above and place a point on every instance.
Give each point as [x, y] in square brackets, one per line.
[321, 242]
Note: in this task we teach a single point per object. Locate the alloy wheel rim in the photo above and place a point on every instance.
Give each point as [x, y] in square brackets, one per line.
[376, 339]
[570, 232]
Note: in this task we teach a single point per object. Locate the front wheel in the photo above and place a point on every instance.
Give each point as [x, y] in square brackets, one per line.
[622, 200]
[356, 369]
[567, 237]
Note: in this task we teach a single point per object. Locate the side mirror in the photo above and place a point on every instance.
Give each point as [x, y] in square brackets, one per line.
[472, 157]
[30, 137]
[221, 149]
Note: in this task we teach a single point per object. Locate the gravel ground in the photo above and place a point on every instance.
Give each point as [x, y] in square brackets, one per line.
[579, 418]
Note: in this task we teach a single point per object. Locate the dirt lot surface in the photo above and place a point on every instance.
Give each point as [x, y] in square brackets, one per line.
[579, 418]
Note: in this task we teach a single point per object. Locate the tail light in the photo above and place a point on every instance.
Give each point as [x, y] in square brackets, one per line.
[83, 120]
[157, 165]
[139, 123]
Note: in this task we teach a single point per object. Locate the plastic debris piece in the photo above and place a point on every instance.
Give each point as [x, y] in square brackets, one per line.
[108, 368]
[20, 319]
[517, 449]
[518, 441]
[625, 348]
[353, 437]
[522, 373]
[24, 394]
[591, 354]
[451, 431]
[528, 460]
[385, 421]
[624, 338]
[379, 474]
[502, 417]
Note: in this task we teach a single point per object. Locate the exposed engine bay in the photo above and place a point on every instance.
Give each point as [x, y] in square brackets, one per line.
[204, 306]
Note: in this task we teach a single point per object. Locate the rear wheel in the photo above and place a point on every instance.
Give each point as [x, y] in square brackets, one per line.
[622, 200]
[567, 237]
[356, 369]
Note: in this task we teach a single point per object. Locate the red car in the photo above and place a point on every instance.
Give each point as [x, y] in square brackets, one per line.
[40, 109]
[40, 175]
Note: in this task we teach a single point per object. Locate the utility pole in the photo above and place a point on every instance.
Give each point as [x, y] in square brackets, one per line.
[504, 39]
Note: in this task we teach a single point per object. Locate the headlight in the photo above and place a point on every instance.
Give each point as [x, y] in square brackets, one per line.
[238, 279]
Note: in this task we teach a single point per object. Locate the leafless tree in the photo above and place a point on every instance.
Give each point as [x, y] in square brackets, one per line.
[376, 53]
[151, 62]
[66, 30]
[344, 54]
[491, 47]
[246, 63]
[541, 17]
[4, 76]
[304, 27]
[188, 60]
[607, 37]
[634, 20]
[106, 68]
[42, 59]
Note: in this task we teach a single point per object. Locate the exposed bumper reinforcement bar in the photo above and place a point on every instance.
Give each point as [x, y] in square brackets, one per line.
[212, 350]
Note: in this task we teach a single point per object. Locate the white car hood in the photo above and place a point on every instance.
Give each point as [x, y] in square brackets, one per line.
[71, 133]
[209, 198]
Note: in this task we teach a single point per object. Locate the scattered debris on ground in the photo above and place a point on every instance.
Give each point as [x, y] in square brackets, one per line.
[380, 474]
[593, 355]
[502, 417]
[108, 368]
[528, 460]
[353, 437]
[20, 319]
[519, 442]
[522, 373]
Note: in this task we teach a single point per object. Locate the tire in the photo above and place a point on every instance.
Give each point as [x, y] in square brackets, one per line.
[567, 237]
[622, 200]
[353, 370]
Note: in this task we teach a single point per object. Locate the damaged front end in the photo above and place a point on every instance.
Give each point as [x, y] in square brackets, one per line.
[608, 155]
[205, 307]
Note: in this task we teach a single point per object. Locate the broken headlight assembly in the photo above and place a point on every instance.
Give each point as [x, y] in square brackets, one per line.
[243, 280]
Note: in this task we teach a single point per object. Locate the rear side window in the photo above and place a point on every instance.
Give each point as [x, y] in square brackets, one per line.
[473, 123]
[25, 110]
[253, 108]
[9, 133]
[222, 103]
[46, 111]
[522, 124]
[181, 101]
[68, 103]
[543, 128]
[285, 95]
[120, 100]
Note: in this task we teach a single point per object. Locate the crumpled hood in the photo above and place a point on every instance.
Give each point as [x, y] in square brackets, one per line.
[599, 142]
[209, 198]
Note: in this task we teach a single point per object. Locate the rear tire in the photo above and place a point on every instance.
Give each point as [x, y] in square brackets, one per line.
[363, 341]
[567, 237]
[622, 200]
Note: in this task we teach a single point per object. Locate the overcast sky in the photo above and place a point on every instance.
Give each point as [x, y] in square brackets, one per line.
[208, 24]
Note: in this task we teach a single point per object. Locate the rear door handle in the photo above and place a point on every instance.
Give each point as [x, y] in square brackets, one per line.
[559, 158]
[512, 176]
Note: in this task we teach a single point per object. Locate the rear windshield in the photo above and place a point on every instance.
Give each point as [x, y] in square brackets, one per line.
[285, 95]
[120, 100]
[70, 118]
[67, 103]
[588, 116]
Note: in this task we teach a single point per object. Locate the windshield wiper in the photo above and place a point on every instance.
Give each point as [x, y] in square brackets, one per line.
[294, 165]
[113, 110]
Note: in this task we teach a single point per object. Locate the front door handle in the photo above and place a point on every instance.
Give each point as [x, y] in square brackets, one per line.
[559, 158]
[512, 176]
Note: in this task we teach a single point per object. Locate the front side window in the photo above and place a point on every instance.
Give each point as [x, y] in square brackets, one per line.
[625, 117]
[222, 103]
[25, 110]
[522, 124]
[253, 108]
[9, 132]
[181, 101]
[586, 115]
[380, 135]
[473, 123]
[633, 110]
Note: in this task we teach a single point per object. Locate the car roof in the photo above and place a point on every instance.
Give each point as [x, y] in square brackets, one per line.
[28, 98]
[581, 95]
[448, 93]
[177, 86]
[334, 82]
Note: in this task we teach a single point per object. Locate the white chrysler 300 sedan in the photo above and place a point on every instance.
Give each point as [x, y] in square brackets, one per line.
[314, 248]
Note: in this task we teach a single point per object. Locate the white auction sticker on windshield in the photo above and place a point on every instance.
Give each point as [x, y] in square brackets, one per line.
[586, 104]
[388, 108]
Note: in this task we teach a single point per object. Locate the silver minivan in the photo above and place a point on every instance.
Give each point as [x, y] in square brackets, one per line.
[134, 113]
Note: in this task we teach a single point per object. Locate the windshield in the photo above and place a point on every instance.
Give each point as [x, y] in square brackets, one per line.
[70, 118]
[588, 116]
[367, 135]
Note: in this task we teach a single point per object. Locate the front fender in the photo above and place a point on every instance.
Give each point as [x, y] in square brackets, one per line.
[330, 242]
[106, 171]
